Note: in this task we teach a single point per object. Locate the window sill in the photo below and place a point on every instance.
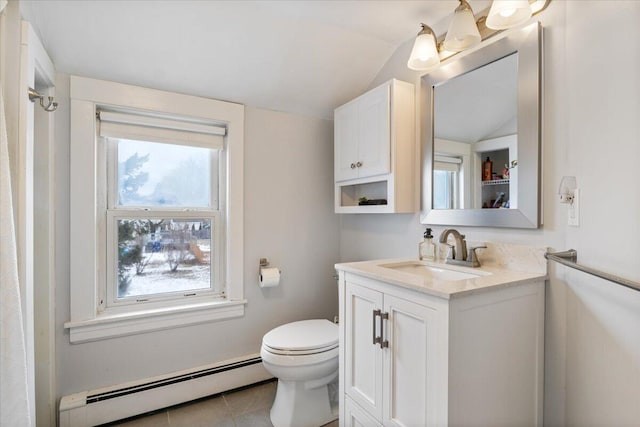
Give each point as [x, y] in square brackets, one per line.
[122, 324]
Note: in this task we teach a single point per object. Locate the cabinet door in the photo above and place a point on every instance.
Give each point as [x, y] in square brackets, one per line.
[374, 133]
[409, 363]
[363, 359]
[346, 141]
[356, 417]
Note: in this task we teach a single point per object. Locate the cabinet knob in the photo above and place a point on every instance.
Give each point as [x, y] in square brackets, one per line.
[359, 164]
[353, 165]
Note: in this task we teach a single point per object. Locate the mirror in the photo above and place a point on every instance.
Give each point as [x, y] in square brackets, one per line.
[475, 138]
[481, 135]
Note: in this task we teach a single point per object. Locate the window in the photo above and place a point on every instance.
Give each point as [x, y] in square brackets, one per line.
[163, 217]
[162, 209]
[446, 182]
[156, 203]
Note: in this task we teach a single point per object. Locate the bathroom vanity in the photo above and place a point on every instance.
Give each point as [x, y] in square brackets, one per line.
[430, 344]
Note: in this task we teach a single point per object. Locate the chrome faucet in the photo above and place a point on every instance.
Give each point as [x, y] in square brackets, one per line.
[458, 253]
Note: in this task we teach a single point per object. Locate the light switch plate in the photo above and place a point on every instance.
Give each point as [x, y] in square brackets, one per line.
[574, 210]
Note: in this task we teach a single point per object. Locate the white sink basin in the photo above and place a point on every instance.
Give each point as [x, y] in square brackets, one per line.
[432, 272]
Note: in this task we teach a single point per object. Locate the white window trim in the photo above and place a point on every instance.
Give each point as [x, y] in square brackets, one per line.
[86, 323]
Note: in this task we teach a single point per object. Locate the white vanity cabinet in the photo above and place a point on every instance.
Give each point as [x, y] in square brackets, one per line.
[356, 417]
[408, 358]
[375, 154]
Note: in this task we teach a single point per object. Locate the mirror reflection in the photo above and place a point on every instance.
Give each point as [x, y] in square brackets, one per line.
[475, 129]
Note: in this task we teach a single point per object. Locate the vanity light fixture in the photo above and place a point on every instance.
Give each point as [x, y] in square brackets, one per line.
[467, 30]
[424, 55]
[463, 32]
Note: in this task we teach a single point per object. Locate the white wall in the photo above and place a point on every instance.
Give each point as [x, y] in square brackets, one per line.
[590, 130]
[288, 219]
[603, 320]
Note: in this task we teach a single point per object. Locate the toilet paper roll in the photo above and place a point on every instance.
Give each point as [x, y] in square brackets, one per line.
[269, 277]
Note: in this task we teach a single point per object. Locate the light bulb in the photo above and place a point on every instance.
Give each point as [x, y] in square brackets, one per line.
[508, 13]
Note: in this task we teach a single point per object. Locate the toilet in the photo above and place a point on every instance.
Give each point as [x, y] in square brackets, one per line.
[304, 357]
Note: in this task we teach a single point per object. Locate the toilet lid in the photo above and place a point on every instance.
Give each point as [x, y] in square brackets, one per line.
[304, 335]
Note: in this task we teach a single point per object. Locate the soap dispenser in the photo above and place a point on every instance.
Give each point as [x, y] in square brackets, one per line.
[426, 248]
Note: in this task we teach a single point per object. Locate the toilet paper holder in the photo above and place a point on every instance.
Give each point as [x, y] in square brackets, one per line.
[263, 264]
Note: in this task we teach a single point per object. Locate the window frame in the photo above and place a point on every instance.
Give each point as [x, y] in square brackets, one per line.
[88, 322]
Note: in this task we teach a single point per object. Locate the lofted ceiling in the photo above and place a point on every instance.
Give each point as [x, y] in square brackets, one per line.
[305, 57]
[480, 104]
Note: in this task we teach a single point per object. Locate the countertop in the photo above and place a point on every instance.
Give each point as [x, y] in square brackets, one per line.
[522, 265]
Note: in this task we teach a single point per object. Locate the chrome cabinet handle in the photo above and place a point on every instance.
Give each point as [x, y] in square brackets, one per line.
[376, 340]
[383, 343]
[353, 165]
[359, 164]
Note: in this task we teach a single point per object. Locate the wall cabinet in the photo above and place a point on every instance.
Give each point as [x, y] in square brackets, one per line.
[375, 150]
[362, 130]
[411, 359]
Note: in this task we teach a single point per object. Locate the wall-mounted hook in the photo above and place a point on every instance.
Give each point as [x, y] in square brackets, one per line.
[50, 107]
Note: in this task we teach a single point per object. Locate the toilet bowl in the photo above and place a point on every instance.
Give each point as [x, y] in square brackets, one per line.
[304, 357]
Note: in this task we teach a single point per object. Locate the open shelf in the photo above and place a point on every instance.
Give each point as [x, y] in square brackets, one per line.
[501, 152]
[349, 196]
[496, 182]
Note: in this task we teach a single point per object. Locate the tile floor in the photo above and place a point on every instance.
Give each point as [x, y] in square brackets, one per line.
[248, 407]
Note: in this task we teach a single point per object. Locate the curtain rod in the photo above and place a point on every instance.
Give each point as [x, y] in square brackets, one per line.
[570, 258]
[50, 107]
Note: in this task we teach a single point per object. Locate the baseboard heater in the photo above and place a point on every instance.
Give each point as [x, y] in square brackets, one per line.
[95, 407]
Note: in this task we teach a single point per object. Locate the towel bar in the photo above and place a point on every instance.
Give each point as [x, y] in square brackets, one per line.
[570, 258]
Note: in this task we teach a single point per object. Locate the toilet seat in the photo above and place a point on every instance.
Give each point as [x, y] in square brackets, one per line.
[288, 352]
[302, 338]
[297, 360]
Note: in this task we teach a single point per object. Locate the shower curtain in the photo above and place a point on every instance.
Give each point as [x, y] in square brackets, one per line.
[14, 402]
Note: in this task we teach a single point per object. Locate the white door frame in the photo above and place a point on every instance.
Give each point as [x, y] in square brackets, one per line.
[35, 148]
